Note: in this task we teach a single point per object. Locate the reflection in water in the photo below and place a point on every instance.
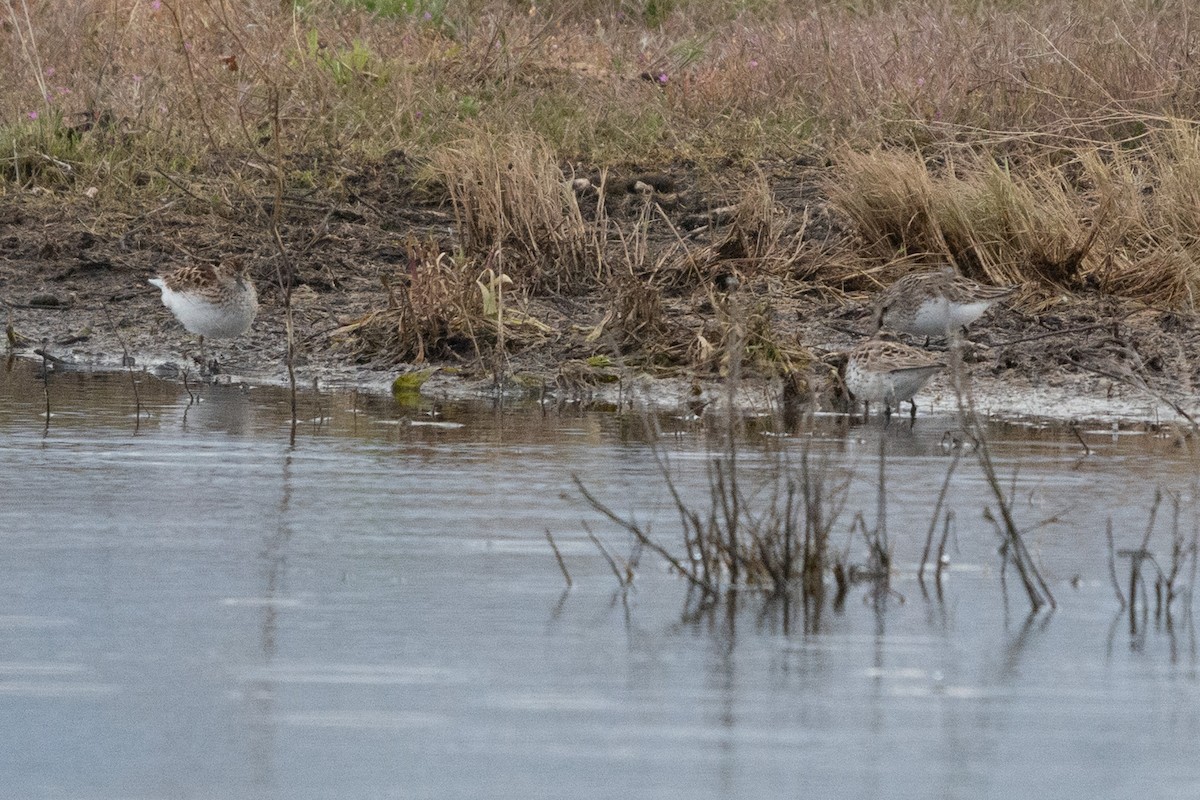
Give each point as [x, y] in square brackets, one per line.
[200, 610]
[215, 408]
[263, 690]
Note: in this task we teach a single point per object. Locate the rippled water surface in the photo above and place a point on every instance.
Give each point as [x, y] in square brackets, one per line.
[192, 608]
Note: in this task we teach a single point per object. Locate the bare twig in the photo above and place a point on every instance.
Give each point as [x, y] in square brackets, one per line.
[284, 269]
[1087, 451]
[1112, 564]
[558, 556]
[127, 362]
[941, 553]
[937, 510]
[1064, 332]
[609, 557]
[1036, 590]
[44, 353]
[639, 534]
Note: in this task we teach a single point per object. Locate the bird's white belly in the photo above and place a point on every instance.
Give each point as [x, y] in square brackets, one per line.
[210, 320]
[940, 317]
[866, 384]
[962, 314]
[906, 383]
[892, 386]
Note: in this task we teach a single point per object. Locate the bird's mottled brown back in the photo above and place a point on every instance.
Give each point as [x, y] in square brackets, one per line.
[192, 277]
[881, 355]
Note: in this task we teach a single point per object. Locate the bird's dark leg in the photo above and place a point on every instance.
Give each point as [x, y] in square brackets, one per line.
[912, 412]
[198, 360]
[207, 368]
[866, 411]
[887, 413]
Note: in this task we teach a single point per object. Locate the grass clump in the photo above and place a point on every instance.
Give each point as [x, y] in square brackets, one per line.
[513, 205]
[770, 531]
[991, 223]
[434, 311]
[1115, 218]
[442, 307]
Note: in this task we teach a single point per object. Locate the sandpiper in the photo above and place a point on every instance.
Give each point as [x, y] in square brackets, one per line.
[934, 303]
[214, 301]
[888, 372]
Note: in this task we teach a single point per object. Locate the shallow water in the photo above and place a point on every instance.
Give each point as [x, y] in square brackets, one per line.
[190, 607]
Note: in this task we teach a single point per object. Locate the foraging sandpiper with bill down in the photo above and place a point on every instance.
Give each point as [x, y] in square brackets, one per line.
[934, 303]
[217, 302]
[879, 370]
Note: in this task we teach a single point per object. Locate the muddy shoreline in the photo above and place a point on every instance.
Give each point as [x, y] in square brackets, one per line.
[1005, 398]
[73, 282]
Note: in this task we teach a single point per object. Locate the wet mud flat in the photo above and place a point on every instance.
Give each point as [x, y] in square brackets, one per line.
[73, 285]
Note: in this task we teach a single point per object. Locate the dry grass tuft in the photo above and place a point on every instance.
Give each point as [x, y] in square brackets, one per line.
[1116, 218]
[513, 204]
[434, 311]
[742, 336]
[755, 237]
[441, 307]
[639, 323]
[978, 215]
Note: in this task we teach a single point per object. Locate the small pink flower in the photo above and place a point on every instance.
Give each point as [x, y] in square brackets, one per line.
[662, 77]
[187, 46]
[64, 90]
[32, 115]
[420, 114]
[50, 72]
[753, 63]
[156, 5]
[136, 78]
[920, 81]
[428, 16]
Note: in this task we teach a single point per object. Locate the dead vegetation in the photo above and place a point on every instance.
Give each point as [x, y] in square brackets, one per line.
[1116, 218]
[767, 532]
[433, 311]
[740, 175]
[1170, 580]
[514, 207]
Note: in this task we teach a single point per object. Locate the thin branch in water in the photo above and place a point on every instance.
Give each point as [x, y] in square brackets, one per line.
[127, 362]
[1177, 551]
[44, 353]
[284, 270]
[1087, 451]
[562, 565]
[595, 503]
[880, 545]
[937, 510]
[1112, 564]
[941, 553]
[188, 389]
[612, 561]
[1036, 590]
